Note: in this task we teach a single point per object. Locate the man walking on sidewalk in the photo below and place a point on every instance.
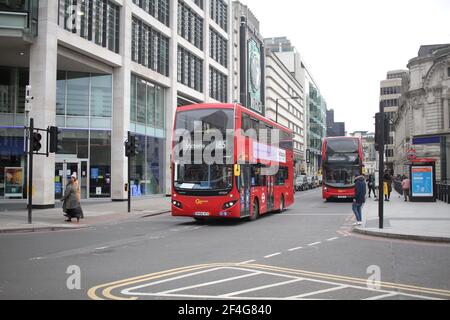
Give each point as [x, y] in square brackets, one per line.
[360, 198]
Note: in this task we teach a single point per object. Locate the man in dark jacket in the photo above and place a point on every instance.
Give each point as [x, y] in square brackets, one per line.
[360, 198]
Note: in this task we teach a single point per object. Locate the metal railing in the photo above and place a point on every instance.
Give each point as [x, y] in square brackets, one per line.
[443, 191]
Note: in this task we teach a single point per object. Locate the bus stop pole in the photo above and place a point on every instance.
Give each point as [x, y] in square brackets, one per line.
[129, 176]
[381, 169]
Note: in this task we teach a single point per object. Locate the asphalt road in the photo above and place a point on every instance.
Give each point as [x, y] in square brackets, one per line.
[307, 252]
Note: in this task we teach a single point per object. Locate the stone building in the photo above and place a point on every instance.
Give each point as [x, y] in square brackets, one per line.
[423, 121]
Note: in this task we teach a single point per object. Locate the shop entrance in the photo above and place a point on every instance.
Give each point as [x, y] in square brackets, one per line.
[64, 169]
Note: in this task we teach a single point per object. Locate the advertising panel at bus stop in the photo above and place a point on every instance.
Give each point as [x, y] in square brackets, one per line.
[423, 181]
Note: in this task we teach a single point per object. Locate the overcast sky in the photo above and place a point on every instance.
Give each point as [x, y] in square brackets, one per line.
[349, 45]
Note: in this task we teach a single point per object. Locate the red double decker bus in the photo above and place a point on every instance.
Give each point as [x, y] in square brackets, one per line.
[255, 177]
[342, 160]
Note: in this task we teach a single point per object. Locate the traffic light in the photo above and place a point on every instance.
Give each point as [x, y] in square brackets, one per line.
[378, 134]
[132, 147]
[36, 141]
[54, 142]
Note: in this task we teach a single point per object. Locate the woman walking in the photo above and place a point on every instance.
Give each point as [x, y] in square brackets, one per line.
[71, 205]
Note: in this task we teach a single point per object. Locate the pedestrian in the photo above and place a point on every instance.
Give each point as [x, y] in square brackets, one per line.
[387, 186]
[371, 185]
[78, 192]
[360, 198]
[71, 204]
[406, 186]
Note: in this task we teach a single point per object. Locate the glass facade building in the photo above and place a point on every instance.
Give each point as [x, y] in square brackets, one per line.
[148, 125]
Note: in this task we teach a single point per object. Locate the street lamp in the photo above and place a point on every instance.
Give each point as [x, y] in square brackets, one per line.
[278, 99]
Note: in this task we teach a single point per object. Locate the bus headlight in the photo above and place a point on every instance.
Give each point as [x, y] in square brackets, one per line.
[229, 204]
[177, 204]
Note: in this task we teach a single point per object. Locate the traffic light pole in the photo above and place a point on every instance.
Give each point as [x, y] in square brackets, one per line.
[129, 177]
[30, 172]
[381, 169]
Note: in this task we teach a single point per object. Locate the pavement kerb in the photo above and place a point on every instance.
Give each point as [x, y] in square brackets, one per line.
[32, 229]
[401, 236]
[42, 229]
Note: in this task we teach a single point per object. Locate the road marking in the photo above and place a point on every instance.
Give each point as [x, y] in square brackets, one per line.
[383, 296]
[294, 249]
[38, 258]
[336, 281]
[332, 239]
[318, 292]
[101, 248]
[314, 243]
[245, 262]
[210, 283]
[231, 294]
[272, 255]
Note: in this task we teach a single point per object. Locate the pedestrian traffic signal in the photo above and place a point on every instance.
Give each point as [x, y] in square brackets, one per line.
[36, 138]
[54, 142]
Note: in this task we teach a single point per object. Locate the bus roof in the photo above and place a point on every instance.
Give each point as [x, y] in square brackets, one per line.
[236, 107]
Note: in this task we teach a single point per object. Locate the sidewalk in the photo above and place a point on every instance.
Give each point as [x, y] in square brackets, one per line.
[407, 220]
[14, 215]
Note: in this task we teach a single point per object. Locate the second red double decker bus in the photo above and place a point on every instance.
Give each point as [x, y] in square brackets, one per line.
[342, 160]
[240, 187]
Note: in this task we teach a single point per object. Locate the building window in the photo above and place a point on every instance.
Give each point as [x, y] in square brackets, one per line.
[218, 48]
[219, 13]
[94, 20]
[218, 85]
[190, 25]
[149, 47]
[158, 9]
[12, 95]
[448, 72]
[83, 100]
[199, 3]
[190, 69]
[147, 107]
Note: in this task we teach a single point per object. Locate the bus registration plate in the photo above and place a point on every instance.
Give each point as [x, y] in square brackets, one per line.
[201, 214]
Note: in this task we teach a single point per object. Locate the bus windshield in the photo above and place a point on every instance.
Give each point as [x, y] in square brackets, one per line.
[341, 176]
[198, 177]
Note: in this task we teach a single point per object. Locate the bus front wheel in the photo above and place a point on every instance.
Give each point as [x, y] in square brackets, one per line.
[281, 205]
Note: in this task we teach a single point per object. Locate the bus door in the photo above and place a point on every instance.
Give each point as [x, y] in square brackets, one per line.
[244, 190]
[270, 192]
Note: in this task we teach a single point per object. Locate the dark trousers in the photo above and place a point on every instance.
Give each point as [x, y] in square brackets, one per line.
[372, 189]
[406, 194]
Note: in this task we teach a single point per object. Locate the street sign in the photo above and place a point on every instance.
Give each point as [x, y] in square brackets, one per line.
[411, 154]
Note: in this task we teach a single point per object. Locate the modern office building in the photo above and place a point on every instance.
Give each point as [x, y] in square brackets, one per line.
[334, 129]
[392, 92]
[315, 105]
[98, 69]
[285, 104]
[422, 127]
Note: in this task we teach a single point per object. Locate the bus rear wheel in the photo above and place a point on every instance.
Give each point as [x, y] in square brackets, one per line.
[281, 205]
[255, 214]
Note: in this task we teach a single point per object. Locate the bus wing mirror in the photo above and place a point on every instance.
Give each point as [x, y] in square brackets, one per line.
[237, 170]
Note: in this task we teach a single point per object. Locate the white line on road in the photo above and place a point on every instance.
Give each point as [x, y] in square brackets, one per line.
[101, 248]
[259, 288]
[332, 239]
[245, 262]
[210, 283]
[314, 243]
[294, 249]
[318, 292]
[272, 255]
